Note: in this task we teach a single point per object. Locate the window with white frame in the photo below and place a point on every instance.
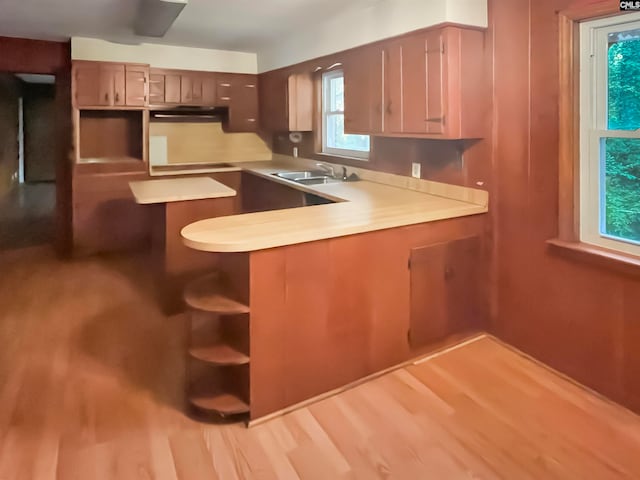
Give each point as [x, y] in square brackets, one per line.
[610, 133]
[334, 140]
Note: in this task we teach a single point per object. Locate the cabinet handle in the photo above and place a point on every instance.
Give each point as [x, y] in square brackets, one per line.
[225, 98]
[106, 97]
[251, 119]
[435, 119]
[117, 97]
[225, 84]
[251, 85]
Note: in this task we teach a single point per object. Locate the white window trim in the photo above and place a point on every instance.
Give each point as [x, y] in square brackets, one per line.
[593, 128]
[327, 112]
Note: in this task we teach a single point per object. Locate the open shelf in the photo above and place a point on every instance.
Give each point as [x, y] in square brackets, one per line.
[220, 354]
[209, 294]
[224, 404]
[110, 136]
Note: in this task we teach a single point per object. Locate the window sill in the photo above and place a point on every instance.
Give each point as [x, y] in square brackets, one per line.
[598, 256]
[345, 157]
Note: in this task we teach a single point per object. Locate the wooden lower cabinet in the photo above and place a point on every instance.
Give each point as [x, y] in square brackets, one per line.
[327, 313]
[105, 215]
[444, 290]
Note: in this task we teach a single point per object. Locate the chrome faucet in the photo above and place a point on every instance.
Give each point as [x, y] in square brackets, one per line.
[327, 168]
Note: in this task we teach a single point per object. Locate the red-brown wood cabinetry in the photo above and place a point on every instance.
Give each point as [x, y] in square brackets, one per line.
[445, 286]
[106, 84]
[429, 84]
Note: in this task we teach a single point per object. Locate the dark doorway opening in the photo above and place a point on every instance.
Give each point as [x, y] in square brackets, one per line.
[28, 152]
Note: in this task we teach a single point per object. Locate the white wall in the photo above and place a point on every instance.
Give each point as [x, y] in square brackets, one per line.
[164, 56]
[385, 18]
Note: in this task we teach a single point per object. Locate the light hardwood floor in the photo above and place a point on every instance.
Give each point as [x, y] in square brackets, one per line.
[90, 381]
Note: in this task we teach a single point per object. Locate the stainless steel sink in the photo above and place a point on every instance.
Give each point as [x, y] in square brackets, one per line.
[307, 177]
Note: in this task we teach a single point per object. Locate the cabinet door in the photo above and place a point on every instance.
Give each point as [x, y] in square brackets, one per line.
[357, 93]
[186, 88]
[414, 84]
[136, 85]
[209, 84]
[196, 88]
[444, 290]
[156, 88]
[243, 110]
[393, 87]
[435, 114]
[300, 102]
[224, 86]
[86, 84]
[112, 85]
[172, 88]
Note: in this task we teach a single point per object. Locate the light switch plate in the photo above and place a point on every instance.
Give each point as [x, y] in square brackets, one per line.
[415, 170]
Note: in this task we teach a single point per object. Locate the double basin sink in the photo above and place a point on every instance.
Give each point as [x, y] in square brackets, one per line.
[308, 177]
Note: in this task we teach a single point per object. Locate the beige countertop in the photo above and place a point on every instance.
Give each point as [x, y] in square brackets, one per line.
[362, 206]
[179, 190]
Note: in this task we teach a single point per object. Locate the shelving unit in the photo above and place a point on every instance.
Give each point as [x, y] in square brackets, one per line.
[218, 351]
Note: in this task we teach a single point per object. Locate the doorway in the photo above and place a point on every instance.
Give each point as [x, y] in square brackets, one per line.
[27, 160]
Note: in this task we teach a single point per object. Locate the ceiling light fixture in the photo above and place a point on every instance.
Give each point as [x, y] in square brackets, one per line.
[155, 17]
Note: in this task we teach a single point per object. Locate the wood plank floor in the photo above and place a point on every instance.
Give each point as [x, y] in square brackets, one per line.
[90, 382]
[27, 215]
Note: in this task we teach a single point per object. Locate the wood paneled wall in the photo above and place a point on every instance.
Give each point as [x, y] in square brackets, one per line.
[20, 55]
[9, 163]
[581, 319]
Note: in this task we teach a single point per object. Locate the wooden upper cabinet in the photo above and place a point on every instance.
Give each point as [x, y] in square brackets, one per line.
[363, 91]
[300, 102]
[86, 81]
[136, 85]
[105, 84]
[243, 103]
[436, 84]
[393, 88]
[430, 84]
[224, 87]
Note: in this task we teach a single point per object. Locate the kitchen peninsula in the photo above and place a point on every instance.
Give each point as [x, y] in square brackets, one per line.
[336, 292]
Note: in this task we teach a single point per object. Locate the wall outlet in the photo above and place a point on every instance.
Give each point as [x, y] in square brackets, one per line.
[295, 152]
[415, 170]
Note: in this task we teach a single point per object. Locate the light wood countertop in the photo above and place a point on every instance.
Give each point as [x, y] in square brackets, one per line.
[362, 206]
[179, 190]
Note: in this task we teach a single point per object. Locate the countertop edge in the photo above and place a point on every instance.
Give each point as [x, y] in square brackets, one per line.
[239, 247]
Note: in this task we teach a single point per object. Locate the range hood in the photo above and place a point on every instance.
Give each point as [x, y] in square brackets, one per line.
[190, 113]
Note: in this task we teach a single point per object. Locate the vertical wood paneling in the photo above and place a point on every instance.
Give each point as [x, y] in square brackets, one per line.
[579, 318]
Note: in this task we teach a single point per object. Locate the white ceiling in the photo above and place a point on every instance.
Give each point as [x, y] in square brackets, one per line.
[242, 25]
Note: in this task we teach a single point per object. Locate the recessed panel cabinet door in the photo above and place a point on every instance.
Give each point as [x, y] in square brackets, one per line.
[414, 84]
[363, 92]
[435, 114]
[136, 85]
[357, 93]
[86, 83]
[156, 89]
[393, 87]
[172, 88]
[445, 290]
